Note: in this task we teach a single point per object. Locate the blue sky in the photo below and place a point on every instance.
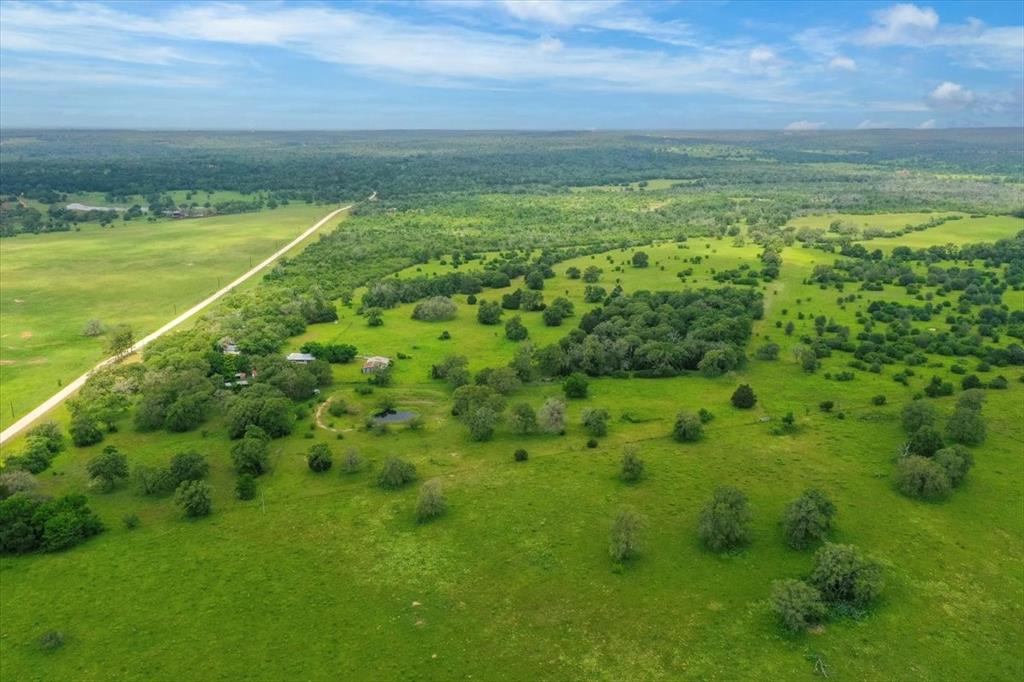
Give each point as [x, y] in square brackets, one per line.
[531, 64]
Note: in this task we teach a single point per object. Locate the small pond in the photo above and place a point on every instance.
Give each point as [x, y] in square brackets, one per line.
[393, 417]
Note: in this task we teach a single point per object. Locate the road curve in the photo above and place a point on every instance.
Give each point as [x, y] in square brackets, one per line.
[64, 393]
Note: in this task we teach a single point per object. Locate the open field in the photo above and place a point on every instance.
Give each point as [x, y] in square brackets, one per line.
[327, 575]
[137, 274]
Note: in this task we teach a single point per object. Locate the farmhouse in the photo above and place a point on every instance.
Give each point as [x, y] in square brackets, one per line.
[375, 363]
[300, 358]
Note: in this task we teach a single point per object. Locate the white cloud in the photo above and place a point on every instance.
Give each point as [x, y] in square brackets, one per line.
[950, 95]
[901, 24]
[842, 64]
[868, 124]
[557, 12]
[763, 57]
[805, 125]
[926, 125]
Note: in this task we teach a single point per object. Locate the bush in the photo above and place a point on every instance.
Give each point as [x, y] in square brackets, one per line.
[970, 381]
[482, 422]
[337, 408]
[319, 458]
[435, 309]
[595, 421]
[917, 415]
[724, 521]
[576, 386]
[826, 405]
[956, 460]
[688, 427]
[521, 455]
[844, 577]
[154, 481]
[878, 400]
[705, 416]
[108, 468]
[797, 604]
[14, 481]
[552, 416]
[396, 474]
[515, 330]
[524, 419]
[925, 442]
[131, 521]
[489, 312]
[195, 498]
[592, 443]
[632, 465]
[743, 397]
[431, 503]
[48, 433]
[625, 542]
[966, 426]
[808, 519]
[245, 487]
[51, 640]
[922, 477]
[353, 463]
[29, 523]
[768, 351]
[84, 430]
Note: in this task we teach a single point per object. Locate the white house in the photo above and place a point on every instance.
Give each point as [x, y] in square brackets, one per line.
[301, 358]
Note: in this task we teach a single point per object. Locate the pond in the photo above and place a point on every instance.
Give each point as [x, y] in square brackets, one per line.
[393, 417]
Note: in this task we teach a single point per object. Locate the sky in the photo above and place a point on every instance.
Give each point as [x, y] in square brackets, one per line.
[511, 64]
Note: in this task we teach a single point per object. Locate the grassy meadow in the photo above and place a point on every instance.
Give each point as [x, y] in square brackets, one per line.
[326, 576]
[137, 273]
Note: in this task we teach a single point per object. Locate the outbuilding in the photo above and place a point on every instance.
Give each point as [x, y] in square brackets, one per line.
[375, 363]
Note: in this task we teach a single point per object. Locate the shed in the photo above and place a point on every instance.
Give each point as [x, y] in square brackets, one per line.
[301, 358]
[375, 363]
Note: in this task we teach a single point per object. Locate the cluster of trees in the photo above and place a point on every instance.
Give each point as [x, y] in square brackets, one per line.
[35, 523]
[929, 467]
[658, 334]
[43, 442]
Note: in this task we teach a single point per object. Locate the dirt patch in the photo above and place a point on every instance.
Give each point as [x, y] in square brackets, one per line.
[19, 300]
[5, 363]
[26, 334]
[37, 361]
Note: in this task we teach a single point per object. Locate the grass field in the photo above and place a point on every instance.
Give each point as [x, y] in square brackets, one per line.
[137, 274]
[326, 576]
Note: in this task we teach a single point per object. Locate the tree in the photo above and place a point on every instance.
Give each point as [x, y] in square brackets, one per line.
[319, 458]
[535, 280]
[245, 487]
[743, 397]
[843, 576]
[374, 317]
[575, 386]
[195, 498]
[515, 330]
[552, 416]
[488, 312]
[724, 521]
[502, 380]
[572, 272]
[917, 415]
[396, 474]
[431, 503]
[50, 434]
[808, 519]
[16, 481]
[188, 466]
[84, 430]
[956, 461]
[353, 462]
[922, 477]
[251, 455]
[108, 468]
[481, 422]
[925, 442]
[520, 455]
[154, 481]
[768, 351]
[797, 604]
[595, 421]
[523, 419]
[592, 274]
[434, 309]
[688, 427]
[966, 426]
[632, 465]
[640, 259]
[120, 340]
[625, 541]
[93, 327]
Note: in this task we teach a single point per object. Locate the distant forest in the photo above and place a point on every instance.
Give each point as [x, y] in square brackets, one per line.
[338, 166]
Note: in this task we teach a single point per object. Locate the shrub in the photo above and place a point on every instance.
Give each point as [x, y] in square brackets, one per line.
[966, 425]
[108, 468]
[16, 481]
[743, 397]
[878, 400]
[768, 351]
[826, 405]
[521, 455]
[337, 408]
[922, 477]
[625, 542]
[632, 465]
[808, 519]
[552, 416]
[131, 521]
[595, 421]
[481, 422]
[431, 503]
[937, 388]
[195, 498]
[488, 312]
[524, 419]
[724, 520]
[797, 604]
[705, 416]
[29, 523]
[94, 328]
[396, 474]
[917, 415]
[999, 383]
[924, 442]
[688, 427]
[319, 458]
[51, 640]
[970, 381]
[434, 309]
[640, 259]
[515, 330]
[576, 386]
[444, 336]
[48, 433]
[353, 462]
[154, 481]
[844, 577]
[188, 466]
[245, 487]
[592, 443]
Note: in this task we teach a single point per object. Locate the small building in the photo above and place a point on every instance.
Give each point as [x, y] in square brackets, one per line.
[229, 347]
[375, 363]
[300, 358]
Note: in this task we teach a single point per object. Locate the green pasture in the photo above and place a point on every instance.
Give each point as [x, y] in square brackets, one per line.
[325, 576]
[137, 273]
